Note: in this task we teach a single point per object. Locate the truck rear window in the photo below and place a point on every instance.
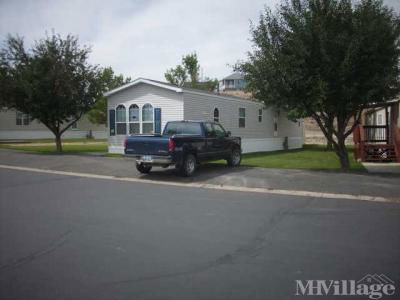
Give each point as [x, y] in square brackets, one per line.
[182, 128]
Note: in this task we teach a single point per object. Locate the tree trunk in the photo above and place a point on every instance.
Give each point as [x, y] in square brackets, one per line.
[329, 144]
[329, 129]
[338, 144]
[58, 143]
[341, 151]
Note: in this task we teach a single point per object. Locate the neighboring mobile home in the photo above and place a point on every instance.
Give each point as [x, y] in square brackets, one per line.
[235, 81]
[144, 106]
[17, 126]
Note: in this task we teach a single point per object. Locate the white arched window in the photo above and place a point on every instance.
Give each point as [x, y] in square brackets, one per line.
[242, 117]
[134, 121]
[147, 119]
[121, 119]
[216, 115]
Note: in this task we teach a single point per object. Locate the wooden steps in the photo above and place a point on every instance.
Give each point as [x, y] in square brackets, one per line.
[379, 152]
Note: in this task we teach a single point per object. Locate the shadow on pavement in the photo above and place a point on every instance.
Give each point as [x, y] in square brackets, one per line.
[205, 172]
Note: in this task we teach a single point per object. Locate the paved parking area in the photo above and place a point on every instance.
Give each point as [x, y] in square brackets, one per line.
[316, 181]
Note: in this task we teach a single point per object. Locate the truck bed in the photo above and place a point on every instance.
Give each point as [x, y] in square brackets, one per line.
[147, 145]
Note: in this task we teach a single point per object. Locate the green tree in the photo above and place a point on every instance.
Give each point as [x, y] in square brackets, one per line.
[189, 68]
[177, 76]
[5, 82]
[52, 82]
[327, 58]
[192, 67]
[108, 81]
[207, 85]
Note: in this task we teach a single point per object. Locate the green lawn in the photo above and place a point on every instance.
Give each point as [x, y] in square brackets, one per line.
[51, 148]
[310, 157]
[50, 141]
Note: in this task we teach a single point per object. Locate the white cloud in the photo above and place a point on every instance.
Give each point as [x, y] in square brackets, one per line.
[144, 38]
[157, 38]
[393, 3]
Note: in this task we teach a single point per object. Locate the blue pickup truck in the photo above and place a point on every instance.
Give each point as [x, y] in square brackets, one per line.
[184, 144]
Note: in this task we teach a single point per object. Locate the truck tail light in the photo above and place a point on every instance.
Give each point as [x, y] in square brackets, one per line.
[171, 145]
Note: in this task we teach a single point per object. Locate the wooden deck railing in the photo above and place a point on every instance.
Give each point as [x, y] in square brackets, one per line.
[396, 140]
[358, 138]
[376, 134]
[368, 139]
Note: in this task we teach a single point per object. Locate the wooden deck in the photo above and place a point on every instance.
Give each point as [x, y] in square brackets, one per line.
[377, 143]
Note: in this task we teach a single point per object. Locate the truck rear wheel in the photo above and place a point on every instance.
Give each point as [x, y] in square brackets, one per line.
[144, 169]
[188, 165]
[235, 158]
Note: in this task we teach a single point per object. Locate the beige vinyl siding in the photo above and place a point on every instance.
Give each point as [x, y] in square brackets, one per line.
[86, 125]
[10, 130]
[289, 128]
[170, 102]
[199, 106]
[256, 136]
[8, 122]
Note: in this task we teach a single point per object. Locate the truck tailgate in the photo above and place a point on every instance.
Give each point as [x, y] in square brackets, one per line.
[147, 145]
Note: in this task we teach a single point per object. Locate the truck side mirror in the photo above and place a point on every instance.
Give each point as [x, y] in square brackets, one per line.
[228, 133]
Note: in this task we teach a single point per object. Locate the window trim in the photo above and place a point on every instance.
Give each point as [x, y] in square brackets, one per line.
[19, 118]
[147, 122]
[134, 122]
[120, 122]
[216, 116]
[24, 119]
[242, 117]
[379, 119]
[74, 126]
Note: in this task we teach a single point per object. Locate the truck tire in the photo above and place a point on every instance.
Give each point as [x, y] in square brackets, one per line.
[234, 158]
[188, 165]
[144, 169]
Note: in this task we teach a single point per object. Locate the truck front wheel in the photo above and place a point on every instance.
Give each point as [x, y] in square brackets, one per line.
[235, 158]
[144, 169]
[188, 165]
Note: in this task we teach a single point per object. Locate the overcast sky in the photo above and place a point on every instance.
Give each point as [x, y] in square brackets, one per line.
[140, 38]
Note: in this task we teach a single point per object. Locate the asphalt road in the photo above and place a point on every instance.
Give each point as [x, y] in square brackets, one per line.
[67, 237]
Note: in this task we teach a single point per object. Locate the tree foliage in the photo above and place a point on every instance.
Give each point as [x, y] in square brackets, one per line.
[108, 81]
[208, 84]
[192, 67]
[177, 76]
[327, 59]
[51, 82]
[187, 74]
